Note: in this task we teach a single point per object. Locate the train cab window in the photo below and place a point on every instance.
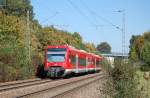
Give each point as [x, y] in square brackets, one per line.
[73, 59]
[56, 54]
[82, 61]
[55, 57]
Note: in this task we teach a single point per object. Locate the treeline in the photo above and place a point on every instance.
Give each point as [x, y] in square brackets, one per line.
[140, 50]
[14, 59]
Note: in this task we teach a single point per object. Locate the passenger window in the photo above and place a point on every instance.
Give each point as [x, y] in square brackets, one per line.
[93, 61]
[82, 61]
[73, 59]
[89, 61]
[97, 63]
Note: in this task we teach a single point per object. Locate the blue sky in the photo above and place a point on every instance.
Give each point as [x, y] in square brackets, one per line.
[93, 18]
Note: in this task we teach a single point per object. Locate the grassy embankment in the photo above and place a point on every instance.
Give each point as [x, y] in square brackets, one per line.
[144, 83]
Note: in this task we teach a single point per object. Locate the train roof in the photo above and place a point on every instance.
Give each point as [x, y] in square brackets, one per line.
[74, 49]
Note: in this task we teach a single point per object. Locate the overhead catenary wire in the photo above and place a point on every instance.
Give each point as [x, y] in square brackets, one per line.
[99, 16]
[49, 18]
[95, 19]
[112, 24]
[81, 13]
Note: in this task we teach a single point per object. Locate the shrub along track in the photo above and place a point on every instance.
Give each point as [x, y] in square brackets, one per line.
[49, 88]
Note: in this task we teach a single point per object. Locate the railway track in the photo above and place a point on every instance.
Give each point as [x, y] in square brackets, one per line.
[20, 84]
[17, 82]
[48, 88]
[75, 88]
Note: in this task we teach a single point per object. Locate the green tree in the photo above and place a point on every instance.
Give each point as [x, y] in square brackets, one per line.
[90, 47]
[17, 7]
[147, 36]
[78, 39]
[146, 48]
[133, 40]
[146, 53]
[104, 47]
[13, 60]
[133, 55]
[136, 45]
[140, 50]
[77, 36]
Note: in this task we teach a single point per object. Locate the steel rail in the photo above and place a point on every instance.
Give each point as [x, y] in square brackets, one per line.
[18, 82]
[22, 84]
[70, 91]
[52, 89]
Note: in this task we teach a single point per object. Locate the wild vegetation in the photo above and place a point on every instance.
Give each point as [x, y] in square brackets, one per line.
[140, 50]
[140, 57]
[130, 79]
[121, 81]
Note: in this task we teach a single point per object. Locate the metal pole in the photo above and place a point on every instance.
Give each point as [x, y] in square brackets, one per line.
[28, 42]
[123, 34]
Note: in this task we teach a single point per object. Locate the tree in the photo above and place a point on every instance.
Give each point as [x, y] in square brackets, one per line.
[140, 50]
[133, 55]
[133, 40]
[147, 36]
[90, 47]
[136, 44]
[17, 7]
[146, 48]
[78, 39]
[77, 36]
[13, 60]
[104, 47]
[146, 53]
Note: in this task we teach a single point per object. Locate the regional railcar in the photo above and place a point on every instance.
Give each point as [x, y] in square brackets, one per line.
[64, 60]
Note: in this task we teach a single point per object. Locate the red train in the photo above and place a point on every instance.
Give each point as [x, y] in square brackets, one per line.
[65, 60]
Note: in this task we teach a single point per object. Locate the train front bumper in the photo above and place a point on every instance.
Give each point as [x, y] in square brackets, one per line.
[54, 71]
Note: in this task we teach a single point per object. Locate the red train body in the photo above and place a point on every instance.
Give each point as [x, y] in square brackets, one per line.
[64, 60]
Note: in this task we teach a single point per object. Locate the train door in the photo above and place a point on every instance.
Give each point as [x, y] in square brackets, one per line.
[77, 67]
[74, 62]
[87, 63]
[95, 64]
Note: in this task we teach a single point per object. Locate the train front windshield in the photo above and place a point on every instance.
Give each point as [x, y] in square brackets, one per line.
[56, 54]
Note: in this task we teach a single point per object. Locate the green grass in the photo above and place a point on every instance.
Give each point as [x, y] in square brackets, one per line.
[143, 85]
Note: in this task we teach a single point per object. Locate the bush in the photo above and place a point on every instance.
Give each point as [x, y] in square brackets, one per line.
[8, 73]
[145, 67]
[106, 65]
[121, 82]
[14, 64]
[124, 78]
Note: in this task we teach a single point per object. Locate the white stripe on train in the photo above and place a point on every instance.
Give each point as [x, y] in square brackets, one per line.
[81, 70]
